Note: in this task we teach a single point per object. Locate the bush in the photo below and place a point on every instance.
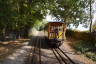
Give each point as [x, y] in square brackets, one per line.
[82, 46]
[91, 55]
[86, 44]
[87, 48]
[79, 35]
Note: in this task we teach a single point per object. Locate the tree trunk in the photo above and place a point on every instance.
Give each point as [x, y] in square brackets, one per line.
[90, 17]
[3, 31]
[65, 28]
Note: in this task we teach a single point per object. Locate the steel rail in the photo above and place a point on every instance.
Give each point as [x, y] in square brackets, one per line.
[67, 56]
[34, 50]
[29, 56]
[40, 51]
[62, 58]
[56, 56]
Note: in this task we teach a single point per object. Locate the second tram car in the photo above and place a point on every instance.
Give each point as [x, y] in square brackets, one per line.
[56, 33]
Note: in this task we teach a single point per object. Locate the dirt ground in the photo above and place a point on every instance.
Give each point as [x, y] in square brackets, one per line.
[47, 56]
[14, 52]
[8, 47]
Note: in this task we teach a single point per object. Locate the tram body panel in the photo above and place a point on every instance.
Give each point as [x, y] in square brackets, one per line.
[55, 33]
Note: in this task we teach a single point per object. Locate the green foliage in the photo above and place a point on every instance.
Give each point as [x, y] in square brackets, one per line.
[91, 55]
[83, 46]
[87, 48]
[71, 11]
[81, 35]
[94, 27]
[86, 43]
[18, 15]
[78, 34]
[39, 25]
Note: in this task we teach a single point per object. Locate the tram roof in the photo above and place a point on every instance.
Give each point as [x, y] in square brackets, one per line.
[56, 23]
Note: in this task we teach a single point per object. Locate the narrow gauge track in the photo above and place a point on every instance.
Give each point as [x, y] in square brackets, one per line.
[59, 55]
[40, 51]
[36, 50]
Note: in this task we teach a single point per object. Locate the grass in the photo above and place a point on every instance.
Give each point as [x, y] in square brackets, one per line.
[91, 55]
[86, 48]
[85, 43]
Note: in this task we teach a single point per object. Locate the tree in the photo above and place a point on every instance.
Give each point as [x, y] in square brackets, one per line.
[91, 15]
[20, 15]
[71, 11]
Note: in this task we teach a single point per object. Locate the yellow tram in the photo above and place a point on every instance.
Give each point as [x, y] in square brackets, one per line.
[56, 33]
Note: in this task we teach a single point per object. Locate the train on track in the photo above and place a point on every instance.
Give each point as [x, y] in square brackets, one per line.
[55, 33]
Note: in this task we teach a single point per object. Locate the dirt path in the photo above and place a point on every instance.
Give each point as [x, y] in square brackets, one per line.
[47, 56]
[18, 57]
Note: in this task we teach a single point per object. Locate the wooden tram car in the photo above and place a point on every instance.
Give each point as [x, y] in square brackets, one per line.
[55, 33]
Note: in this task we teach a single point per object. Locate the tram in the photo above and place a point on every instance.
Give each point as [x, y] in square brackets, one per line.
[55, 33]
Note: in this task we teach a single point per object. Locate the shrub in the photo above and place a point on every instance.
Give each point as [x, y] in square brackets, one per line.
[91, 55]
[82, 46]
[86, 47]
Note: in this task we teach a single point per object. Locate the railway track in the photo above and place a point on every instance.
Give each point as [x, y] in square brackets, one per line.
[35, 53]
[61, 56]
[40, 51]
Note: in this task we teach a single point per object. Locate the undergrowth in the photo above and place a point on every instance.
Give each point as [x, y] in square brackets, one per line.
[86, 42]
[88, 48]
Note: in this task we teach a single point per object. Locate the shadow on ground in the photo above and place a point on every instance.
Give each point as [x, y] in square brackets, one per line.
[36, 41]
